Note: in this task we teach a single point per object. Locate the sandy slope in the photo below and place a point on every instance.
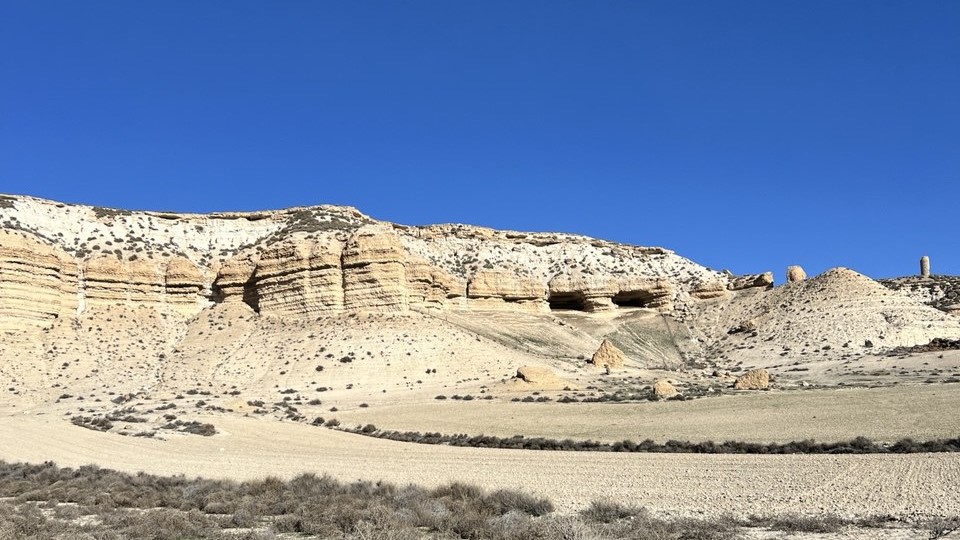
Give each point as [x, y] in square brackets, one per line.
[911, 485]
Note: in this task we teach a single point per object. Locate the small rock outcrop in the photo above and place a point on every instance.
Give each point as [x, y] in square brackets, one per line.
[708, 290]
[541, 378]
[795, 274]
[764, 280]
[757, 379]
[608, 356]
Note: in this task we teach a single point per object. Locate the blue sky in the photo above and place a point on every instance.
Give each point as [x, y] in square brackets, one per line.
[744, 135]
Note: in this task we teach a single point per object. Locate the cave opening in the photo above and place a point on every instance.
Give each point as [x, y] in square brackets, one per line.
[567, 301]
[251, 295]
[632, 299]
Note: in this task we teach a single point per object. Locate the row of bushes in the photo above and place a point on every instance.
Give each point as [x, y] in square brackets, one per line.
[46, 501]
[859, 445]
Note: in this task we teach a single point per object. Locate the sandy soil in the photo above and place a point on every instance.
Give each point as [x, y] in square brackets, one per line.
[902, 485]
[827, 415]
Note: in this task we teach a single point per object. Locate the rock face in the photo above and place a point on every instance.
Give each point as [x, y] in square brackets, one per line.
[795, 274]
[374, 276]
[608, 356]
[503, 289]
[663, 389]
[298, 277]
[757, 379]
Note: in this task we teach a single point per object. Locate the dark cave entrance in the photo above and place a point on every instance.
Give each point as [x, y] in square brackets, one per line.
[632, 299]
[567, 301]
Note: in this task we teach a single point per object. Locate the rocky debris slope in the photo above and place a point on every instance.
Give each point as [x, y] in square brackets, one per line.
[302, 262]
[839, 313]
[939, 291]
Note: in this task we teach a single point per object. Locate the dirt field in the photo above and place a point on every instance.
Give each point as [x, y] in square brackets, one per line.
[882, 414]
[902, 485]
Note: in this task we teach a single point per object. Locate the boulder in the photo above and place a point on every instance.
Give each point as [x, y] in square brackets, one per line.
[795, 274]
[663, 389]
[540, 378]
[608, 356]
[535, 374]
[757, 379]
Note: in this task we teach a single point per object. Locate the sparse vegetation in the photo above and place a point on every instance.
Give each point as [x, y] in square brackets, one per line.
[46, 501]
[859, 445]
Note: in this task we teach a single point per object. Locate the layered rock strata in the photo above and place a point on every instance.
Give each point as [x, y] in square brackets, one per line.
[305, 262]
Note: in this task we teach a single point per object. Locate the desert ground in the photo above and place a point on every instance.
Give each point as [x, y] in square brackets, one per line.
[914, 485]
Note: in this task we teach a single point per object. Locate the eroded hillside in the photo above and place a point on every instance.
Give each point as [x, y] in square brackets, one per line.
[328, 298]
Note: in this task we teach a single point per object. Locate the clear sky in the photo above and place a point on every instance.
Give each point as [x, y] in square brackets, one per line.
[743, 135]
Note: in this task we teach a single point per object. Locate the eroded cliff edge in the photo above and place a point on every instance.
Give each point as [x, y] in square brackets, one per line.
[59, 260]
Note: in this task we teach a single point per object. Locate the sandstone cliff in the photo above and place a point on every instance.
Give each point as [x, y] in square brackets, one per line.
[62, 260]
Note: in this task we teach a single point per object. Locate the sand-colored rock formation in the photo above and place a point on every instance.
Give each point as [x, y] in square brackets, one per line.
[37, 283]
[234, 282]
[432, 288]
[608, 356]
[374, 276]
[286, 263]
[300, 277]
[757, 379]
[504, 289]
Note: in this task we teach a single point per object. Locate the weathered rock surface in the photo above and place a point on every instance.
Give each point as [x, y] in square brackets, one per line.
[37, 283]
[502, 289]
[757, 379]
[300, 277]
[608, 356]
